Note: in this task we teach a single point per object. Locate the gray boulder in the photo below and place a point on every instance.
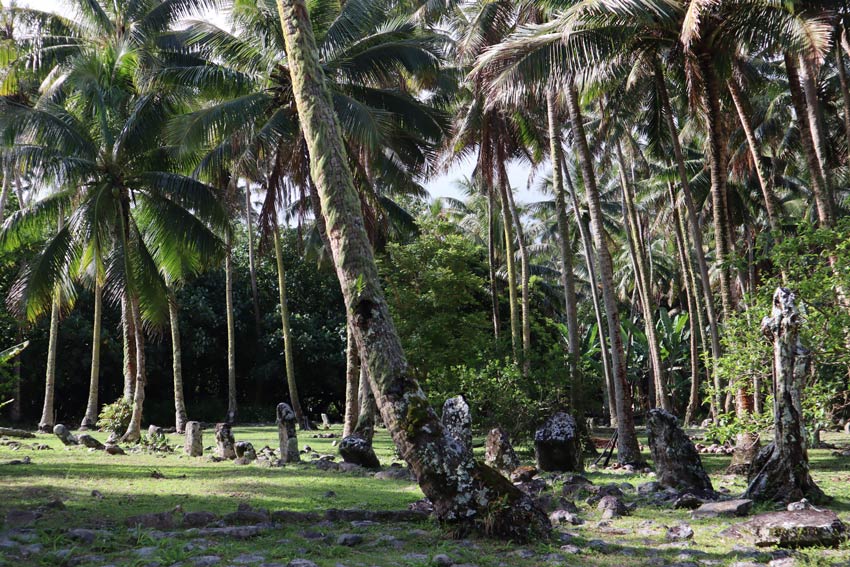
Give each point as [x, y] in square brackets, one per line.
[677, 462]
[64, 434]
[557, 446]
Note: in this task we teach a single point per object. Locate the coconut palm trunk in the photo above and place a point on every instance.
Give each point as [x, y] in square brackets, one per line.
[642, 278]
[128, 335]
[628, 448]
[817, 181]
[180, 416]
[567, 276]
[4, 194]
[524, 273]
[352, 382]
[695, 232]
[845, 88]
[287, 333]
[771, 203]
[491, 259]
[717, 169]
[252, 267]
[604, 353]
[134, 430]
[461, 490]
[231, 331]
[45, 424]
[510, 266]
[90, 418]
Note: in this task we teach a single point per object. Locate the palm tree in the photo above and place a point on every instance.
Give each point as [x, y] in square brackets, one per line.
[445, 473]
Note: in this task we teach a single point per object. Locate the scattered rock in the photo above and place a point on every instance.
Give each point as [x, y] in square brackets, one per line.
[740, 507]
[16, 518]
[301, 563]
[247, 558]
[236, 532]
[442, 560]
[395, 473]
[801, 505]
[90, 442]
[198, 519]
[611, 507]
[17, 433]
[245, 450]
[680, 532]
[523, 474]
[85, 536]
[245, 517]
[799, 528]
[113, 449]
[157, 521]
[349, 540]
[357, 450]
[557, 446]
[65, 435]
[457, 420]
[687, 501]
[206, 561]
[650, 487]
[565, 517]
[97, 494]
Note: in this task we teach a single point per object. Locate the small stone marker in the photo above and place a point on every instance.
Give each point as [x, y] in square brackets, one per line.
[65, 435]
[225, 441]
[677, 462]
[286, 434]
[155, 432]
[194, 445]
[457, 420]
[556, 444]
[498, 451]
[245, 452]
[326, 423]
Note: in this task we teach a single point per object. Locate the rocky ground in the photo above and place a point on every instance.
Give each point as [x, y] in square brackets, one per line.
[78, 506]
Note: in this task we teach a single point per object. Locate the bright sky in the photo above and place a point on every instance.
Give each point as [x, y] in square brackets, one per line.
[440, 186]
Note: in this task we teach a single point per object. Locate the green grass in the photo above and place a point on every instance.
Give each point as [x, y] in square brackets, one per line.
[128, 488]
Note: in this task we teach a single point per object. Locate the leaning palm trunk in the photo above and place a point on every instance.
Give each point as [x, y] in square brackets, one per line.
[46, 422]
[817, 177]
[567, 276]
[771, 203]
[461, 490]
[134, 430]
[4, 195]
[695, 232]
[287, 334]
[231, 331]
[604, 353]
[510, 265]
[629, 450]
[180, 417]
[524, 274]
[642, 278]
[352, 382]
[91, 407]
[491, 260]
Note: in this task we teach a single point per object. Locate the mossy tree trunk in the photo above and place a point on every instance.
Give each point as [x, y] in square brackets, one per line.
[352, 382]
[463, 492]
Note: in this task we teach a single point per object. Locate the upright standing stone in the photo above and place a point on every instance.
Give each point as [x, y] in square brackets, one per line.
[326, 423]
[286, 421]
[498, 451]
[65, 435]
[780, 471]
[457, 420]
[557, 446]
[194, 445]
[226, 444]
[677, 462]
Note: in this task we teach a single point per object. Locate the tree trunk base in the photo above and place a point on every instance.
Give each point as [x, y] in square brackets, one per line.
[746, 448]
[777, 479]
[87, 424]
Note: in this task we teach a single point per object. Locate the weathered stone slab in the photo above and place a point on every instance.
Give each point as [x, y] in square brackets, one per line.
[498, 451]
[740, 507]
[457, 419]
[226, 444]
[287, 436]
[194, 445]
[64, 434]
[798, 528]
[556, 444]
[677, 462]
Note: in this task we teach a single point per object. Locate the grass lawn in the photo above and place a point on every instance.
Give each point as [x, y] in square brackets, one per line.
[125, 486]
